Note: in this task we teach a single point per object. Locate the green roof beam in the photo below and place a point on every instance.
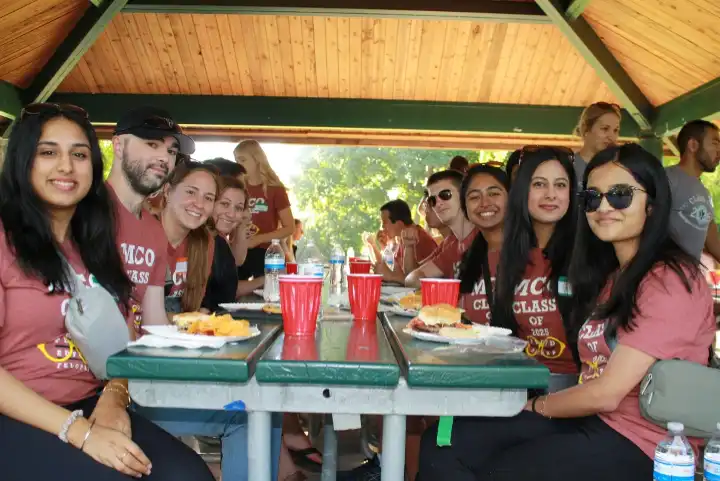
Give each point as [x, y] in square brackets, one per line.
[700, 103]
[576, 8]
[10, 100]
[593, 50]
[477, 10]
[215, 111]
[69, 53]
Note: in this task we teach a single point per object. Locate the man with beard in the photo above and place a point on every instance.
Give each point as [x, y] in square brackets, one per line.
[146, 143]
[692, 223]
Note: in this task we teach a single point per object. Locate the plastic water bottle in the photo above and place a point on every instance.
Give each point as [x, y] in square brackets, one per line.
[310, 261]
[389, 255]
[337, 264]
[674, 457]
[274, 266]
[711, 470]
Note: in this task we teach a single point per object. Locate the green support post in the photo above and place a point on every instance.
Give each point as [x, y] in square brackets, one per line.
[652, 143]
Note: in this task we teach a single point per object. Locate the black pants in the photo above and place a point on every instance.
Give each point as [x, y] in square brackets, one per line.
[254, 265]
[31, 454]
[531, 447]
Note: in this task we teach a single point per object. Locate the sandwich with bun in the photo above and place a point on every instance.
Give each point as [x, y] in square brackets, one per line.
[437, 317]
[184, 320]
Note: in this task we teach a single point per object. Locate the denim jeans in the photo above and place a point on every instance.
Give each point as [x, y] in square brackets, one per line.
[230, 426]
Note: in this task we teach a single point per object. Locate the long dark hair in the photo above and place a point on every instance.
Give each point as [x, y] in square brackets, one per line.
[26, 219]
[519, 236]
[594, 262]
[474, 260]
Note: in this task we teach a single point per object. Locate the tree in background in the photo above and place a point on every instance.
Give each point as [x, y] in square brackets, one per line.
[107, 151]
[344, 188]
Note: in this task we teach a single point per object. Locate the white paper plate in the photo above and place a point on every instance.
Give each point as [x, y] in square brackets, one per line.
[481, 339]
[245, 306]
[171, 332]
[395, 309]
[258, 292]
[391, 290]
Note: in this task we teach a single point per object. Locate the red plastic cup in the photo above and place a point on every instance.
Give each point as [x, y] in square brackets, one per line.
[291, 267]
[440, 291]
[358, 259]
[299, 348]
[360, 266]
[364, 295]
[363, 342]
[300, 298]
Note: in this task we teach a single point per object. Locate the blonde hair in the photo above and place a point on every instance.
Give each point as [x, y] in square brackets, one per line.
[592, 113]
[268, 177]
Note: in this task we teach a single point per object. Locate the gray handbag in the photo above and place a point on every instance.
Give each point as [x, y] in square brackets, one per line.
[682, 391]
[95, 324]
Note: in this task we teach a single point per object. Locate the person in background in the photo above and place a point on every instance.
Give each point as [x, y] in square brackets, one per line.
[146, 142]
[532, 296]
[272, 216]
[443, 198]
[459, 163]
[484, 196]
[692, 223]
[433, 224]
[188, 201]
[290, 244]
[398, 225]
[512, 164]
[638, 298]
[229, 213]
[57, 420]
[376, 244]
[599, 128]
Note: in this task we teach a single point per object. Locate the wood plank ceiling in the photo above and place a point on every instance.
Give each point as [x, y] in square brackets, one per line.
[337, 57]
[30, 31]
[668, 47]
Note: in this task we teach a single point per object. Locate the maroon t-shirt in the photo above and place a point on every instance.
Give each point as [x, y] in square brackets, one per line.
[448, 260]
[143, 249]
[34, 346]
[265, 205]
[424, 248]
[475, 303]
[671, 324]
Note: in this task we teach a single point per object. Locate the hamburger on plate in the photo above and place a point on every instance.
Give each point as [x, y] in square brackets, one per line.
[442, 319]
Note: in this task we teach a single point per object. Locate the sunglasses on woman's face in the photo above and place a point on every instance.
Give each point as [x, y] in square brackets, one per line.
[618, 196]
[445, 194]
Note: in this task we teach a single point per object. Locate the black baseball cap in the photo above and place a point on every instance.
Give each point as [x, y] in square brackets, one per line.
[153, 123]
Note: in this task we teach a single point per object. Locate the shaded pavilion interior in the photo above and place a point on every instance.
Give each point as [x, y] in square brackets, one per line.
[475, 74]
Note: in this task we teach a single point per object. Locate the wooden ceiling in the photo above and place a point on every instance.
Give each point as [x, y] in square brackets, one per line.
[337, 57]
[30, 31]
[668, 47]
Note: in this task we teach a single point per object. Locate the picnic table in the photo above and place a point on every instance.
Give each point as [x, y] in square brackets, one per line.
[347, 368]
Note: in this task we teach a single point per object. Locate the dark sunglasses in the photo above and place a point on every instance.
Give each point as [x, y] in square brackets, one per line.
[559, 151]
[618, 196]
[43, 108]
[445, 194]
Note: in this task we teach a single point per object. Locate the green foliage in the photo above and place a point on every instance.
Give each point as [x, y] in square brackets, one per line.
[344, 188]
[107, 151]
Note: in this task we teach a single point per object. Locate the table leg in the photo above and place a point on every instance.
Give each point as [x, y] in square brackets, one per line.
[329, 465]
[393, 447]
[259, 462]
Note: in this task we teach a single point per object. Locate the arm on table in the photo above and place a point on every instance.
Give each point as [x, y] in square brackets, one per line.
[626, 368]
[429, 269]
[153, 306]
[245, 288]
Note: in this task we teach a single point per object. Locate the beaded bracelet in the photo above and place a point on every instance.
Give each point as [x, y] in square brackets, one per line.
[69, 422]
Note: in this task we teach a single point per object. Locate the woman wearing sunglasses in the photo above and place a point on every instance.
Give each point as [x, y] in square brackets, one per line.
[57, 421]
[634, 289]
[484, 197]
[532, 292]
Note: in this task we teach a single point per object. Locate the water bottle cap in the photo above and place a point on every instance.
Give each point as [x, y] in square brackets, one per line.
[675, 427]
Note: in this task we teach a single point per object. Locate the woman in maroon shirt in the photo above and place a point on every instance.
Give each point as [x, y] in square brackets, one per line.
[56, 420]
[637, 298]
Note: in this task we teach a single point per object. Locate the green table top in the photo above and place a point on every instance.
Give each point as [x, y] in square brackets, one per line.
[341, 353]
[429, 364]
[232, 363]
